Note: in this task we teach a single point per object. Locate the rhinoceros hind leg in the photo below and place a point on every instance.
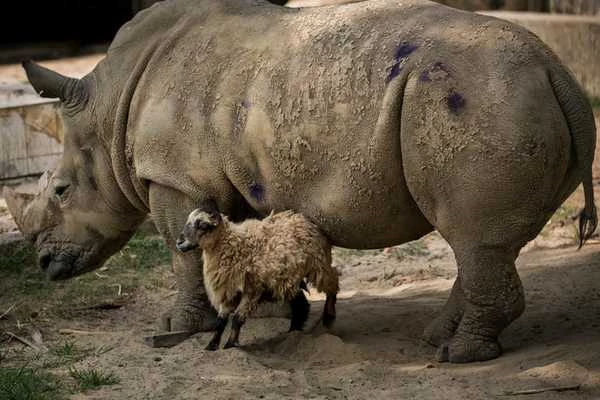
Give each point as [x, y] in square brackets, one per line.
[468, 350]
[493, 298]
[442, 328]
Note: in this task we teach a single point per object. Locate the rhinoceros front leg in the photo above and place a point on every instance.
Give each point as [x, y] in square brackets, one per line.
[192, 310]
[493, 298]
[441, 329]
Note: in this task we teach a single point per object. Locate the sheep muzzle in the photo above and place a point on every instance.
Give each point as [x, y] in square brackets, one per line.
[184, 245]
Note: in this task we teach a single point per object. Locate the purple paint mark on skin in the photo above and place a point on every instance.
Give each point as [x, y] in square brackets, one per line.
[402, 52]
[455, 102]
[394, 71]
[424, 77]
[257, 192]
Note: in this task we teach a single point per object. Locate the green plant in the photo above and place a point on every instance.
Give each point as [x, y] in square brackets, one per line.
[14, 257]
[66, 353]
[92, 378]
[28, 384]
[67, 349]
[142, 252]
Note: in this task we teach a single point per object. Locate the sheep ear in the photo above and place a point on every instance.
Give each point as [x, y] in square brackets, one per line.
[215, 218]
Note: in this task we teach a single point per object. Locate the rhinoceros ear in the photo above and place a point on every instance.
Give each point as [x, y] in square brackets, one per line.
[48, 83]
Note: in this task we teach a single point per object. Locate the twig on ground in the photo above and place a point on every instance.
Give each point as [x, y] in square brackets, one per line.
[101, 306]
[542, 390]
[172, 293]
[119, 286]
[23, 340]
[5, 313]
[592, 241]
[100, 275]
[67, 331]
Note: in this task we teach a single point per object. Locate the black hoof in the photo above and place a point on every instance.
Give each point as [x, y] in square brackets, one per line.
[328, 320]
[229, 345]
[300, 309]
[212, 346]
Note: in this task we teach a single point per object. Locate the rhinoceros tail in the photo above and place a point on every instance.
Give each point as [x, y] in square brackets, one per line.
[580, 120]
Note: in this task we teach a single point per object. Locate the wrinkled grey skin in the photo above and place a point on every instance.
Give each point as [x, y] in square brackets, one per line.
[379, 121]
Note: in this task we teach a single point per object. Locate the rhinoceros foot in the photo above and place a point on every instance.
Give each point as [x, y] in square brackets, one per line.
[463, 349]
[439, 331]
[191, 316]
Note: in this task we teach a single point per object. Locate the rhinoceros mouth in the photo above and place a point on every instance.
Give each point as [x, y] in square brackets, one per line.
[63, 264]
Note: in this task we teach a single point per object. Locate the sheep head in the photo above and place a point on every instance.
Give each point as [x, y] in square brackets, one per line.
[197, 229]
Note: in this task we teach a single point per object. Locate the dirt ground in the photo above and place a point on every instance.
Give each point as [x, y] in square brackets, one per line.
[374, 349]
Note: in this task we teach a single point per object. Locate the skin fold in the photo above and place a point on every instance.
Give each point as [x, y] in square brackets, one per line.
[379, 121]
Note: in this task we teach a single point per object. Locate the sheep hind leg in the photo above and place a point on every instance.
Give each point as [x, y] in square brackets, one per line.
[329, 310]
[300, 309]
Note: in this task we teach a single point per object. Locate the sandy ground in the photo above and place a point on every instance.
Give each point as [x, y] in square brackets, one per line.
[374, 350]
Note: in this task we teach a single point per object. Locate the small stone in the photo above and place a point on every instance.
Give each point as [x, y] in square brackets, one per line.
[430, 366]
[157, 359]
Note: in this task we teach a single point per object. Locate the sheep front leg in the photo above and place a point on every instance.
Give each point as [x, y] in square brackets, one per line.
[246, 306]
[221, 323]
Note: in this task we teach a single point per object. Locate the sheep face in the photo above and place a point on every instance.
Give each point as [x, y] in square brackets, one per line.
[197, 229]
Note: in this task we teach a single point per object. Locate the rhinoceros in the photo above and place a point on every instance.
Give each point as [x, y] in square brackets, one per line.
[380, 121]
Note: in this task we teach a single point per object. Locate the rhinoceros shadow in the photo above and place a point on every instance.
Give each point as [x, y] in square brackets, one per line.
[562, 289]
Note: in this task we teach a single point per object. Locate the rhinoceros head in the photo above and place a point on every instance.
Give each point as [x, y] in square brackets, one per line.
[79, 217]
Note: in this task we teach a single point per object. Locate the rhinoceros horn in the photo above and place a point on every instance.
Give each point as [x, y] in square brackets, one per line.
[48, 83]
[27, 208]
[17, 203]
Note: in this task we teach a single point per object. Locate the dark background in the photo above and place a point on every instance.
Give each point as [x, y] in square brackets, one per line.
[62, 28]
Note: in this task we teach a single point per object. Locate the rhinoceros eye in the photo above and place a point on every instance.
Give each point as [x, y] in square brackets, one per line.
[59, 190]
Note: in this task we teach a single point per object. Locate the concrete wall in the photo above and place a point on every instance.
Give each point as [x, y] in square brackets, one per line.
[575, 39]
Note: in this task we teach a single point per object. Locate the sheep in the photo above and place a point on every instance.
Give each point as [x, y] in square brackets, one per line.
[255, 261]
